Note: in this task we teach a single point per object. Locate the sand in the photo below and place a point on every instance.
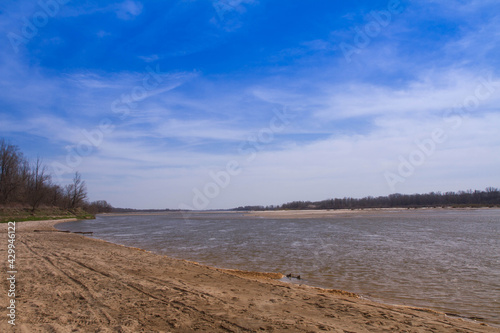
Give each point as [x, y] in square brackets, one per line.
[330, 213]
[71, 283]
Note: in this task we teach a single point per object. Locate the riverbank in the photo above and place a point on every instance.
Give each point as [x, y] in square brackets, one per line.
[19, 214]
[67, 282]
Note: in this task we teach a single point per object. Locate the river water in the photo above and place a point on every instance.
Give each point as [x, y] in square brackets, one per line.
[447, 260]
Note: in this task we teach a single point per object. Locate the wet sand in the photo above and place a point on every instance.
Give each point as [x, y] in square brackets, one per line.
[70, 283]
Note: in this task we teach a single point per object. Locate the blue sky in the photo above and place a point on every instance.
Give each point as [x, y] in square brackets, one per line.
[216, 104]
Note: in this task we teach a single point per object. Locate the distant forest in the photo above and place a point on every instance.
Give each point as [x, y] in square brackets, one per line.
[487, 198]
[25, 183]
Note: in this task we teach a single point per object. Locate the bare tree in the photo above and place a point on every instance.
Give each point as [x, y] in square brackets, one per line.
[99, 206]
[76, 192]
[25, 183]
[492, 190]
[10, 181]
[55, 196]
[37, 184]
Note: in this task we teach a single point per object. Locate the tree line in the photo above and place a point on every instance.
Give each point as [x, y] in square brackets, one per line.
[490, 197]
[24, 183]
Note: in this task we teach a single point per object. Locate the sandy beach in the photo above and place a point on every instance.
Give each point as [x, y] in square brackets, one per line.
[70, 283]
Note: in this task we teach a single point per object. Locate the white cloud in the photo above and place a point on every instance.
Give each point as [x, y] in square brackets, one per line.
[432, 94]
[463, 8]
[137, 159]
[150, 58]
[478, 45]
[128, 10]
[338, 166]
[228, 13]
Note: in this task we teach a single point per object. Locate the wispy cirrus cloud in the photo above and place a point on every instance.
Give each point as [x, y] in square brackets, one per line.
[228, 13]
[128, 9]
[123, 10]
[432, 94]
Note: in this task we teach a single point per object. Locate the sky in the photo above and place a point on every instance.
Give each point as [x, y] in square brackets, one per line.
[199, 104]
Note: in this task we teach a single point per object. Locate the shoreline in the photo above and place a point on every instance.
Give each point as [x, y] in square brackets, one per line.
[105, 284]
[300, 214]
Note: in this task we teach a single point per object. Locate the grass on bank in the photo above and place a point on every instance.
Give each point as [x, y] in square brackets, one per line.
[21, 214]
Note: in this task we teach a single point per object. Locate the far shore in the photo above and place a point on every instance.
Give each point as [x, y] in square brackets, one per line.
[309, 213]
[68, 283]
[317, 213]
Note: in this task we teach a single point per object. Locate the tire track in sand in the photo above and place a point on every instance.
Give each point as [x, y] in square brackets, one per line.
[176, 304]
[101, 315]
